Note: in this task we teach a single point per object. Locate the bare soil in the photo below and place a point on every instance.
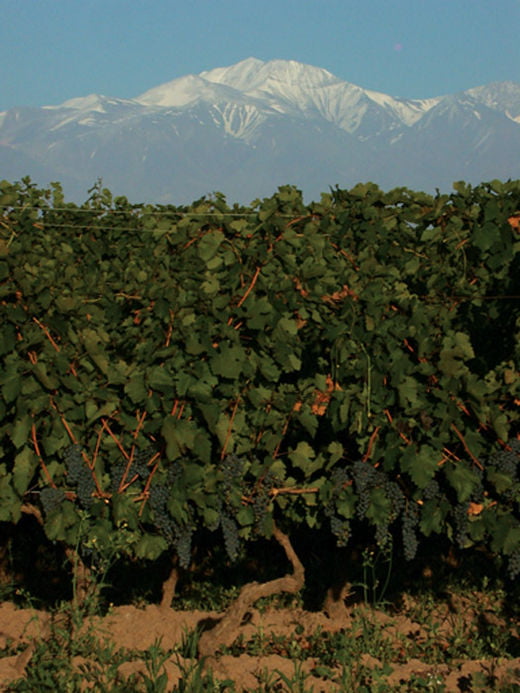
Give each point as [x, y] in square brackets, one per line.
[275, 640]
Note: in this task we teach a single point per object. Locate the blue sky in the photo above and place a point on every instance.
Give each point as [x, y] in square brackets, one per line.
[53, 50]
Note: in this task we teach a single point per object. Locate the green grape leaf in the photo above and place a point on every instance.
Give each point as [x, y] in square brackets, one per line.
[25, 464]
[150, 547]
[20, 433]
[420, 464]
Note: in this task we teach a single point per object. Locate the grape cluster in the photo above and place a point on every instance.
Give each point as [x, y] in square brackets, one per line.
[118, 471]
[174, 476]
[341, 529]
[508, 461]
[79, 475]
[366, 477]
[432, 490]
[177, 535]
[138, 468]
[233, 469]
[396, 497]
[461, 521]
[410, 518]
[159, 496]
[182, 542]
[140, 463]
[51, 498]
[231, 536]
[514, 565]
[233, 485]
[74, 463]
[339, 526]
[262, 500]
[383, 536]
[85, 489]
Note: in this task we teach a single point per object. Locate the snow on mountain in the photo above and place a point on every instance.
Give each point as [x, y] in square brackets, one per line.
[248, 127]
[294, 89]
[500, 96]
[255, 75]
[92, 110]
[289, 88]
[188, 90]
[94, 102]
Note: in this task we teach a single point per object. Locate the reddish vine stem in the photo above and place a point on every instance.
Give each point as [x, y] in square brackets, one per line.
[284, 431]
[230, 428]
[47, 334]
[116, 440]
[292, 491]
[345, 254]
[476, 462]
[146, 489]
[371, 442]
[250, 287]
[96, 449]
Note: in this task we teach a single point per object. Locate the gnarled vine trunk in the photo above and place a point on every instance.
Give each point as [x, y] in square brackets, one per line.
[225, 632]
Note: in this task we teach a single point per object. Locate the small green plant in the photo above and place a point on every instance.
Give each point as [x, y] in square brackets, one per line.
[296, 684]
[156, 680]
[426, 682]
[377, 569]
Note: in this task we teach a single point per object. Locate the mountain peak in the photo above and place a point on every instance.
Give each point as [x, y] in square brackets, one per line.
[252, 74]
[500, 96]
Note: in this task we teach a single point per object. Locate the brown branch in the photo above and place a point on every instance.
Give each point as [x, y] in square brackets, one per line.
[169, 332]
[47, 334]
[96, 449]
[284, 431]
[90, 463]
[226, 630]
[30, 509]
[371, 442]
[124, 484]
[345, 254]
[148, 482]
[67, 427]
[292, 491]
[230, 428]
[250, 287]
[140, 424]
[302, 218]
[115, 439]
[451, 454]
[476, 462]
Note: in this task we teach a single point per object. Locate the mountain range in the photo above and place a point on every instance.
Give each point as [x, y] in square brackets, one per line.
[244, 130]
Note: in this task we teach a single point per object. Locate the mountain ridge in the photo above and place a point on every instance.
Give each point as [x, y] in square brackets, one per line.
[239, 129]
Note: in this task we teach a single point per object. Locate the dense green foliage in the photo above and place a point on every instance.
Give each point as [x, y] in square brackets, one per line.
[352, 362]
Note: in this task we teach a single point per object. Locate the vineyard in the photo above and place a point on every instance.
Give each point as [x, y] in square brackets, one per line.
[299, 384]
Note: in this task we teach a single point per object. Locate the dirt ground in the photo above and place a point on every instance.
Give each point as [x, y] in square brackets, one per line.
[138, 629]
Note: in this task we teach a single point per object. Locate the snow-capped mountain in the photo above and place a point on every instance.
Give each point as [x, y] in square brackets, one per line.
[250, 127]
